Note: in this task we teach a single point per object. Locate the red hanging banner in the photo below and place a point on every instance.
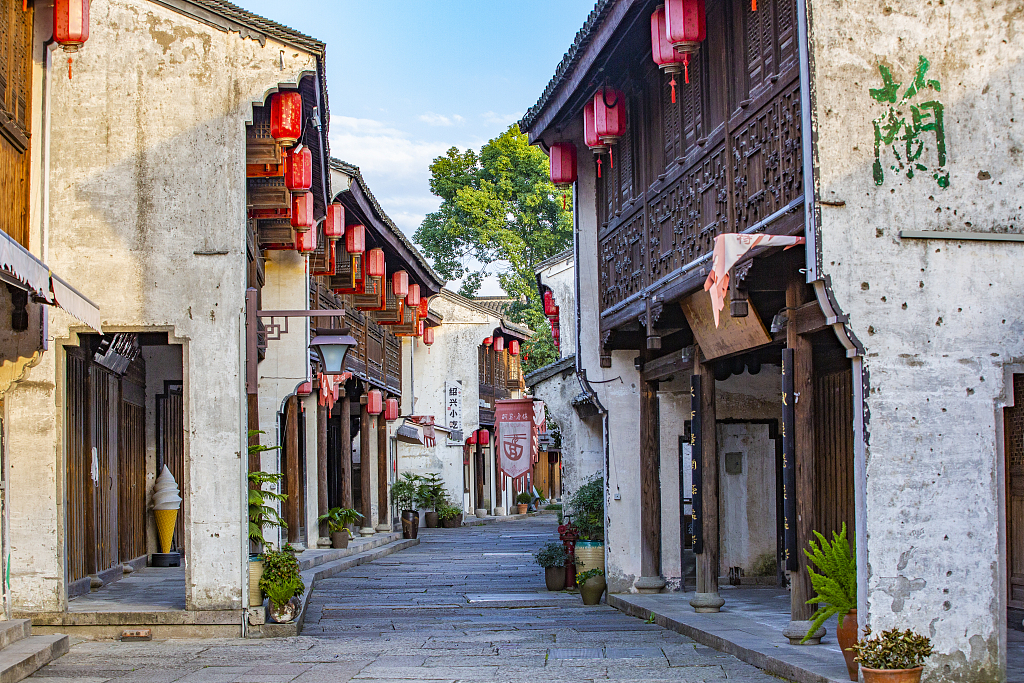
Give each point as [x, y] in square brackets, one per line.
[516, 439]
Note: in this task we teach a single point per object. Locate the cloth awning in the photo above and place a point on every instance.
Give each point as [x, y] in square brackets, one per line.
[21, 269]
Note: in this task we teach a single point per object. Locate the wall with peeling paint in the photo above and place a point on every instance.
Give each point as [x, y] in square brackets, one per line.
[939, 319]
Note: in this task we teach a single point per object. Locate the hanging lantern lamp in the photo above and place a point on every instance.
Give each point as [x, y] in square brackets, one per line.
[549, 303]
[484, 437]
[685, 28]
[391, 409]
[330, 347]
[665, 56]
[499, 344]
[488, 341]
[286, 117]
[590, 134]
[420, 327]
[305, 241]
[298, 170]
[428, 336]
[334, 224]
[375, 263]
[412, 299]
[70, 25]
[374, 402]
[610, 118]
[563, 164]
[302, 211]
[400, 284]
[556, 334]
[424, 307]
[355, 239]
[513, 347]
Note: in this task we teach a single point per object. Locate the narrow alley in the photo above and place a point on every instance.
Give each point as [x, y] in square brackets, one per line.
[463, 605]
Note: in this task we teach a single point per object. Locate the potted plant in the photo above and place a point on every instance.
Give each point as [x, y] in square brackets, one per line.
[892, 657]
[338, 520]
[449, 514]
[592, 585]
[283, 584]
[431, 495]
[404, 494]
[836, 591]
[523, 502]
[261, 516]
[552, 557]
[587, 514]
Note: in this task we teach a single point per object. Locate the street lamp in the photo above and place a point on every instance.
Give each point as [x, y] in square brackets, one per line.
[330, 347]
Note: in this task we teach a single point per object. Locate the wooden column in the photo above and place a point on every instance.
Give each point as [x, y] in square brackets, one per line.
[254, 426]
[803, 387]
[321, 466]
[291, 446]
[345, 476]
[650, 580]
[707, 598]
[383, 508]
[364, 467]
[478, 459]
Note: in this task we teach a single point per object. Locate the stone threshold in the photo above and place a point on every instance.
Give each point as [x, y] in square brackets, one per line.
[741, 637]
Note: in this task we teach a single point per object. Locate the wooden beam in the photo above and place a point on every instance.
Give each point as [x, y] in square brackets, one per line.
[345, 480]
[664, 367]
[809, 318]
[291, 445]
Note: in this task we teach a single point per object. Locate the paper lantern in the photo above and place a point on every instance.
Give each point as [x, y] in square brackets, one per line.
[391, 409]
[487, 341]
[286, 117]
[334, 224]
[355, 239]
[549, 303]
[563, 164]
[664, 55]
[590, 130]
[499, 344]
[374, 402]
[424, 307]
[472, 439]
[513, 347]
[609, 115]
[484, 437]
[555, 333]
[419, 329]
[298, 170]
[412, 299]
[375, 263]
[302, 211]
[685, 28]
[70, 23]
[428, 336]
[305, 241]
[400, 284]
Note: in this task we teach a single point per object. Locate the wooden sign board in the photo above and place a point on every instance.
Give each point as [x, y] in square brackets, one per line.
[732, 334]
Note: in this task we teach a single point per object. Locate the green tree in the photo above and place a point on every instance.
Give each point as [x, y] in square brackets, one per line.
[499, 213]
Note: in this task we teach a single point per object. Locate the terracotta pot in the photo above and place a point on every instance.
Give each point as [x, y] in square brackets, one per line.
[554, 577]
[590, 555]
[410, 523]
[282, 614]
[892, 675]
[431, 519]
[592, 590]
[522, 508]
[339, 539]
[847, 637]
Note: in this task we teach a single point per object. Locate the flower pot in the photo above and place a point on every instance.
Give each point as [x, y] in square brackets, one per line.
[410, 523]
[521, 507]
[255, 574]
[554, 577]
[892, 675]
[431, 520]
[285, 613]
[590, 554]
[339, 539]
[847, 637]
[452, 522]
[592, 589]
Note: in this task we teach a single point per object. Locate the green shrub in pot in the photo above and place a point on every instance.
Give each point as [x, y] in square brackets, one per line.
[551, 555]
[892, 649]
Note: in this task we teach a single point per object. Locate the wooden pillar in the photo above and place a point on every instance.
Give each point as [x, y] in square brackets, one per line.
[291, 446]
[383, 507]
[803, 387]
[707, 598]
[254, 426]
[321, 466]
[650, 580]
[478, 459]
[345, 478]
[364, 467]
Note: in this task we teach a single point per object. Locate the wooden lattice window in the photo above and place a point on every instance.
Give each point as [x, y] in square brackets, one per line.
[15, 71]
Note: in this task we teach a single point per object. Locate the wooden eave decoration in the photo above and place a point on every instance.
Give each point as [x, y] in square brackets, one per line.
[268, 193]
[372, 298]
[263, 158]
[410, 325]
[324, 263]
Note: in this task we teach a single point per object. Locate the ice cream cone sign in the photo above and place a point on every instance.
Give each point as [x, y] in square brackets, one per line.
[166, 501]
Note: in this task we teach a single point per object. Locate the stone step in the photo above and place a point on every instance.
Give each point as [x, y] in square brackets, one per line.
[14, 630]
[314, 558]
[26, 656]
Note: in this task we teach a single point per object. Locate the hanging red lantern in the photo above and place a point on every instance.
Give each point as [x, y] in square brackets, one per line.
[563, 164]
[286, 117]
[302, 211]
[305, 241]
[391, 409]
[298, 170]
[484, 437]
[549, 303]
[554, 315]
[355, 239]
[488, 341]
[428, 336]
[590, 134]
[374, 402]
[412, 299]
[555, 333]
[70, 23]
[665, 56]
[334, 224]
[685, 28]
[424, 307]
[400, 284]
[420, 327]
[513, 347]
[375, 263]
[499, 344]
[472, 439]
[610, 118]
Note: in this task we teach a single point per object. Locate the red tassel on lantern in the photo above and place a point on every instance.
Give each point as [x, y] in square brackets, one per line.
[286, 117]
[400, 284]
[513, 347]
[685, 28]
[375, 263]
[355, 239]
[590, 134]
[665, 56]
[302, 211]
[298, 174]
[334, 224]
[374, 402]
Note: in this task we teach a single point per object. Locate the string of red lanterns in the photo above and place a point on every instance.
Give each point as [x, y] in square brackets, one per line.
[590, 136]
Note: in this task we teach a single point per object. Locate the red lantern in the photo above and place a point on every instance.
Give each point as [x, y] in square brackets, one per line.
[400, 284]
[554, 317]
[549, 303]
[563, 164]
[375, 263]
[374, 402]
[499, 344]
[424, 307]
[302, 211]
[685, 28]
[428, 336]
[665, 56]
[71, 23]
[484, 437]
[472, 440]
[419, 328]
[555, 333]
[355, 239]
[412, 299]
[334, 224]
[488, 341]
[391, 409]
[305, 241]
[590, 134]
[286, 117]
[609, 115]
[513, 347]
[298, 170]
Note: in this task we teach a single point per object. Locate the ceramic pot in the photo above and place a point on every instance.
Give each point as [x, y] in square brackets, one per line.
[592, 590]
[590, 555]
[339, 539]
[431, 520]
[255, 574]
[522, 507]
[847, 637]
[285, 613]
[554, 577]
[892, 675]
[410, 523]
[452, 522]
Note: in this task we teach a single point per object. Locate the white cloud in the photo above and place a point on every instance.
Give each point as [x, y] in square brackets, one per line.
[501, 119]
[440, 120]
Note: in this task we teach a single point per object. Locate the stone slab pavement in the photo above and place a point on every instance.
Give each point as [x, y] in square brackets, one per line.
[465, 604]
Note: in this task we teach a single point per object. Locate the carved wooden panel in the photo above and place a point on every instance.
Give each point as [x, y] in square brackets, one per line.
[622, 261]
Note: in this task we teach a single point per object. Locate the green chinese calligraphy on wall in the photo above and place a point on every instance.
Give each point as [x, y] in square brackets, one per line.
[906, 127]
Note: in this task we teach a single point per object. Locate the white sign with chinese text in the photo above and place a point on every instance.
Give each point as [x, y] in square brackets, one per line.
[453, 407]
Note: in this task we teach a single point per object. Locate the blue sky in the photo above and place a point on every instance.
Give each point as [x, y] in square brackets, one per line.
[407, 79]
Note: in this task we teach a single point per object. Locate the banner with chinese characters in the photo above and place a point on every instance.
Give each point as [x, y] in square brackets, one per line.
[516, 436]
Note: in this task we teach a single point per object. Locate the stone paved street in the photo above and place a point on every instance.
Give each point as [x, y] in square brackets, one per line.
[464, 605]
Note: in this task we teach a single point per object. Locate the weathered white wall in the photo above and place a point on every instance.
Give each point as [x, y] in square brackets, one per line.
[560, 277]
[147, 154]
[746, 501]
[937, 319]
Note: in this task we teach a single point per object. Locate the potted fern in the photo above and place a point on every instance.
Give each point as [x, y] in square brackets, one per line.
[835, 585]
[892, 657]
[283, 584]
[261, 516]
[338, 522]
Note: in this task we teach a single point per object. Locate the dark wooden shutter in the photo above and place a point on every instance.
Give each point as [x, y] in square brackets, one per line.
[833, 448]
[15, 98]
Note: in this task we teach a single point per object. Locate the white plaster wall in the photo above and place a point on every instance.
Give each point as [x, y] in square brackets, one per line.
[147, 154]
[937, 319]
[560, 277]
[746, 502]
[673, 411]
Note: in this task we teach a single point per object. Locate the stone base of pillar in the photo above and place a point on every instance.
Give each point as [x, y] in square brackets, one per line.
[383, 528]
[499, 512]
[649, 584]
[323, 542]
[366, 531]
[707, 602]
[798, 629]
[481, 512]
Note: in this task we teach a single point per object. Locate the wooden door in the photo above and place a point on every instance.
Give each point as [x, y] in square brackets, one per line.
[104, 402]
[131, 464]
[1013, 438]
[833, 452]
[79, 458]
[171, 445]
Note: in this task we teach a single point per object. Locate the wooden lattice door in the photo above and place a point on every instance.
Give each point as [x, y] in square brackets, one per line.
[1013, 435]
